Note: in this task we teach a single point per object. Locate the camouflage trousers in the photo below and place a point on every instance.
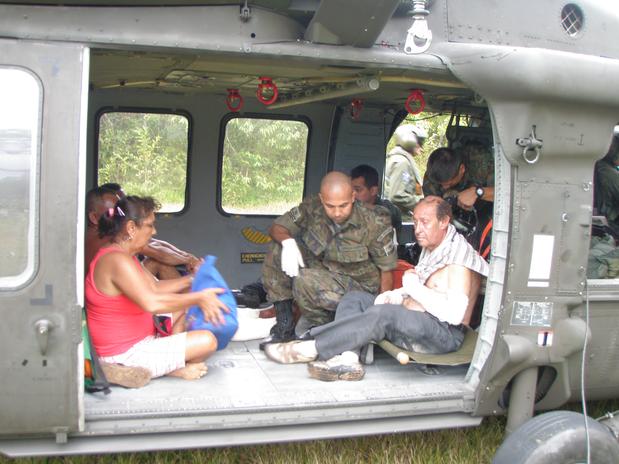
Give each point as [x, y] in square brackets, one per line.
[316, 290]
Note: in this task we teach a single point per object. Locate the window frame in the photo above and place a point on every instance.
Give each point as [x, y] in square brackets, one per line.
[220, 156]
[158, 110]
[17, 282]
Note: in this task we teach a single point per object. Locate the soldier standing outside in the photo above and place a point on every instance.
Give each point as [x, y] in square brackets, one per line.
[606, 185]
[403, 181]
[325, 247]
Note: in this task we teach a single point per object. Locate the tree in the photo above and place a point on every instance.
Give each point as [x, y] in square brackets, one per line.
[263, 164]
[146, 153]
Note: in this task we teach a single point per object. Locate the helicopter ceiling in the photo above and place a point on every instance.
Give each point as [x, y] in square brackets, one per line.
[294, 80]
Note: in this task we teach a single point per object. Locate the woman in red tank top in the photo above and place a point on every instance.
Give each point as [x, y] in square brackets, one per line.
[121, 299]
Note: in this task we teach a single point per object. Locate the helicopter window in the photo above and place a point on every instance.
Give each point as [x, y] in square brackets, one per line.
[572, 19]
[147, 154]
[263, 165]
[20, 113]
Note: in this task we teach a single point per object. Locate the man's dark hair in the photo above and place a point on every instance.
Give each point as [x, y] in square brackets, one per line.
[113, 186]
[443, 164]
[93, 196]
[369, 174]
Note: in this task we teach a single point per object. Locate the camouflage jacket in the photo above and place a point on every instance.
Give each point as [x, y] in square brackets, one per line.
[403, 181]
[479, 164]
[361, 247]
[607, 190]
[603, 260]
[394, 213]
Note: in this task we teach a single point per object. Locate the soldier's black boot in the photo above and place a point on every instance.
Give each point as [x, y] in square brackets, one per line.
[283, 330]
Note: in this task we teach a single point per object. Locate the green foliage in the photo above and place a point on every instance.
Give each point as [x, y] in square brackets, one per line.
[146, 153]
[263, 163]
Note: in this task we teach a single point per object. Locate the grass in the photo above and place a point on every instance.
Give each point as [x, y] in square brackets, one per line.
[454, 446]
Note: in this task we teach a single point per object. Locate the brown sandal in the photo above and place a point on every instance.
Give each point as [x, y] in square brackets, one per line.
[126, 376]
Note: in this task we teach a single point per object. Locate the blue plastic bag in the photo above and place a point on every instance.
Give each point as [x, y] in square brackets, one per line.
[209, 277]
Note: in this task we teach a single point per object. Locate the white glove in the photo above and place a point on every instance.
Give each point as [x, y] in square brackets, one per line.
[291, 257]
[389, 297]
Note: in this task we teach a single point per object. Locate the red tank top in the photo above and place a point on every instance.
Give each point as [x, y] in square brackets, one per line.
[115, 323]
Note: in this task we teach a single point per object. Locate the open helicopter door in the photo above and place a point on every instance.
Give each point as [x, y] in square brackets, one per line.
[43, 90]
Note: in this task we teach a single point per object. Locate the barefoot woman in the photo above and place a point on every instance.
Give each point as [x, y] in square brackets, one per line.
[122, 297]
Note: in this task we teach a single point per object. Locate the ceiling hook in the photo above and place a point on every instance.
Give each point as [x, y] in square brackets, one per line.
[245, 12]
[419, 36]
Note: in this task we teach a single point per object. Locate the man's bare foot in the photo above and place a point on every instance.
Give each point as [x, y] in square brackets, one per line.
[191, 371]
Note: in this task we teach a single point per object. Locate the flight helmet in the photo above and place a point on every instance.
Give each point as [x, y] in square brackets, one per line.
[409, 136]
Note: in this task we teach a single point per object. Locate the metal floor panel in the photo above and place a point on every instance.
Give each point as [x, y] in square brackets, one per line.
[241, 378]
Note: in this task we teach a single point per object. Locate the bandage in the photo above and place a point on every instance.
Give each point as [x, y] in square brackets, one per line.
[449, 306]
[390, 297]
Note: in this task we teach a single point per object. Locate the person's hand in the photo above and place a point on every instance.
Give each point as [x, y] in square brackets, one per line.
[389, 297]
[467, 198]
[413, 305]
[418, 189]
[193, 264]
[291, 257]
[211, 306]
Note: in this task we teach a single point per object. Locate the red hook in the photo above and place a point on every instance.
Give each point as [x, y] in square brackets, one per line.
[415, 96]
[266, 84]
[356, 106]
[234, 100]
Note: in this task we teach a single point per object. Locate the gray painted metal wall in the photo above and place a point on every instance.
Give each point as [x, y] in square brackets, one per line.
[202, 229]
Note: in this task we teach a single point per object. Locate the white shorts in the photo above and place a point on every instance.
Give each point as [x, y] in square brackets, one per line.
[160, 355]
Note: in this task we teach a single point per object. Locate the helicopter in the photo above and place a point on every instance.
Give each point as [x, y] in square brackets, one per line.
[333, 79]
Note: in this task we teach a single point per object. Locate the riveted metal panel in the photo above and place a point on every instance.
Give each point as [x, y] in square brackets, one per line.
[41, 329]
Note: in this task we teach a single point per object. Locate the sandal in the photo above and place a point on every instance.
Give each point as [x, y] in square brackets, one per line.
[336, 368]
[126, 376]
[286, 353]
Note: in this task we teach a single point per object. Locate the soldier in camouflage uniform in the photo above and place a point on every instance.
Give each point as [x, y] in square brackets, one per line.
[365, 184]
[606, 187]
[403, 181]
[459, 172]
[467, 176]
[323, 248]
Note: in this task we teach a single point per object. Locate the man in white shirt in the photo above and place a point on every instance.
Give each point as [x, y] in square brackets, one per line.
[428, 314]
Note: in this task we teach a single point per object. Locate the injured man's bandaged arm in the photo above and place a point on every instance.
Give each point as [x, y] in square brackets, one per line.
[448, 306]
[390, 297]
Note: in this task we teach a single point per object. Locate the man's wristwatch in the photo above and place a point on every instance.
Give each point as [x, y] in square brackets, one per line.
[479, 191]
